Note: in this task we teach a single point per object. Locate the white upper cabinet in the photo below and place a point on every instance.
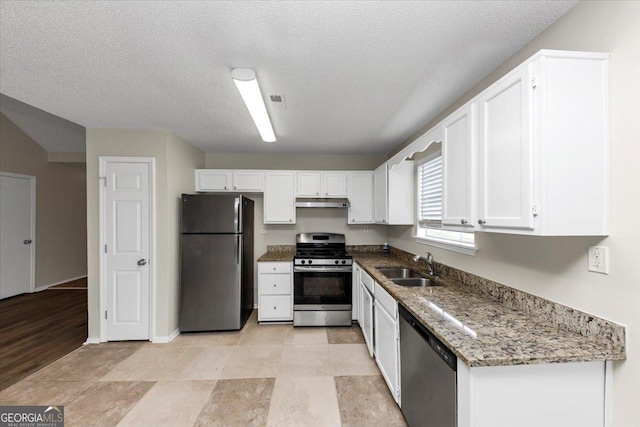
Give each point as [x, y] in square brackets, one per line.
[213, 180]
[380, 201]
[506, 158]
[279, 197]
[458, 171]
[308, 184]
[543, 150]
[229, 180]
[321, 184]
[334, 184]
[248, 180]
[360, 193]
[394, 194]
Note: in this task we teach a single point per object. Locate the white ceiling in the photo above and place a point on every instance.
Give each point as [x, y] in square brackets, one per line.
[357, 77]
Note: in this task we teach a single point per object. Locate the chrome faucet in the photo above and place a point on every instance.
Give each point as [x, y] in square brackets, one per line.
[428, 260]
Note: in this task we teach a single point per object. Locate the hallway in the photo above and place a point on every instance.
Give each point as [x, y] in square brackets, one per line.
[39, 328]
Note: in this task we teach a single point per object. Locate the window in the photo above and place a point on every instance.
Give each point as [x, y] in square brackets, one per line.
[429, 227]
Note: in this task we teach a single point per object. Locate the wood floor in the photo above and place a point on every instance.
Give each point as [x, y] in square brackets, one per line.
[39, 328]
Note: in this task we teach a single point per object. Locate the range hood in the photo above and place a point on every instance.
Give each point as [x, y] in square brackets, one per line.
[321, 203]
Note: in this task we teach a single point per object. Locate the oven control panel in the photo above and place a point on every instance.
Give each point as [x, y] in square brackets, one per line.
[322, 262]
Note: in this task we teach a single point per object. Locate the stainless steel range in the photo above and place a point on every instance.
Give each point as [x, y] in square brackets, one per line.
[321, 280]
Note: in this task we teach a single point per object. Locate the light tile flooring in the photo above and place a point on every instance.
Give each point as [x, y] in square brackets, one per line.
[273, 375]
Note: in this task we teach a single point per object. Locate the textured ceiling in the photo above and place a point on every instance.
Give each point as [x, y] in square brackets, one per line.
[357, 77]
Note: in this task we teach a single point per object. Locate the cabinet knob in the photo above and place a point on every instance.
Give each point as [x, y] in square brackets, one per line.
[274, 307]
[274, 285]
[326, 194]
[482, 222]
[234, 187]
[317, 194]
[274, 269]
[225, 187]
[463, 221]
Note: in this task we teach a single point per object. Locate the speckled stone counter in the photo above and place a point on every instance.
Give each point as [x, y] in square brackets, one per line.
[488, 324]
[278, 253]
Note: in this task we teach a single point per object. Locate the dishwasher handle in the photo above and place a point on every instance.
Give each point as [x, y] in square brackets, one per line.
[445, 354]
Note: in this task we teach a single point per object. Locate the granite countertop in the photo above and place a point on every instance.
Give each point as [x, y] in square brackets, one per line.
[280, 253]
[483, 331]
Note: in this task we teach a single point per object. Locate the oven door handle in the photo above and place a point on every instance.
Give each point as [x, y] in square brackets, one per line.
[322, 269]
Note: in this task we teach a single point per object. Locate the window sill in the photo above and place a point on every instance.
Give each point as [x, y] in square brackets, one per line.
[450, 246]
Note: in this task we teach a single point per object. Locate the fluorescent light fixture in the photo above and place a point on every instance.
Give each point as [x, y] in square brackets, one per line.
[245, 80]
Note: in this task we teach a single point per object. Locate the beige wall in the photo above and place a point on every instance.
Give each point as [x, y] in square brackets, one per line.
[61, 231]
[172, 177]
[294, 161]
[556, 268]
[183, 159]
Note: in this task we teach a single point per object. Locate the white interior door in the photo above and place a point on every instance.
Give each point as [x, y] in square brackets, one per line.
[17, 229]
[127, 249]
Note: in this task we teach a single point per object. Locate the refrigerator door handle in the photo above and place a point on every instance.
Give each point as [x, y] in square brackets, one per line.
[237, 221]
[238, 250]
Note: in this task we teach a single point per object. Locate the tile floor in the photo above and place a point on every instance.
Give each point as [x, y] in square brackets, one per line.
[272, 375]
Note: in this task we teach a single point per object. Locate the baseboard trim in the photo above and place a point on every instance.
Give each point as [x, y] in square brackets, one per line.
[43, 287]
[91, 340]
[166, 339]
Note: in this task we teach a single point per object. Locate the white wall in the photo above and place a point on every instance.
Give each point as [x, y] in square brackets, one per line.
[556, 268]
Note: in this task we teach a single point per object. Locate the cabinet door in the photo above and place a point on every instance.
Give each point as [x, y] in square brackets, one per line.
[386, 347]
[380, 201]
[505, 187]
[360, 198]
[308, 184]
[367, 318]
[248, 181]
[213, 180]
[458, 168]
[279, 200]
[334, 184]
[355, 292]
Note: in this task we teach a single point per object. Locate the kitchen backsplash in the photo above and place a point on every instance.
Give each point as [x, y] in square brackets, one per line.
[565, 317]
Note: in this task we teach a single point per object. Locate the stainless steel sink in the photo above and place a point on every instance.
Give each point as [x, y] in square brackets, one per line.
[415, 281]
[398, 273]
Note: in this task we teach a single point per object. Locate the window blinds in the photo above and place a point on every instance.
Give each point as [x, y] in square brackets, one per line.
[430, 190]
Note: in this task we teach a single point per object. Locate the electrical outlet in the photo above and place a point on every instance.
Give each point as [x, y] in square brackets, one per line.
[599, 259]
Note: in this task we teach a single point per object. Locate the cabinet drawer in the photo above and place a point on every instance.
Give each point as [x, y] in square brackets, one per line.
[275, 307]
[274, 268]
[386, 301]
[275, 284]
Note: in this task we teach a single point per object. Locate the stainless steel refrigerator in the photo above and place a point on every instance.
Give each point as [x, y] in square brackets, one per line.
[216, 274]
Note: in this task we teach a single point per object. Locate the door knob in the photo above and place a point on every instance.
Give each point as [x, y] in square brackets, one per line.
[463, 221]
[142, 262]
[27, 242]
[482, 221]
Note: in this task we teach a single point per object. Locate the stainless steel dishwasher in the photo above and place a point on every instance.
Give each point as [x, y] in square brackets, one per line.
[427, 375]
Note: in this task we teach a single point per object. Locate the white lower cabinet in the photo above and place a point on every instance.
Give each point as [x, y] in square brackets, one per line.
[387, 339]
[355, 291]
[550, 394]
[275, 293]
[366, 315]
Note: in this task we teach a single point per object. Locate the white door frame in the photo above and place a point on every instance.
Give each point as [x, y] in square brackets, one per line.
[32, 249]
[151, 161]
